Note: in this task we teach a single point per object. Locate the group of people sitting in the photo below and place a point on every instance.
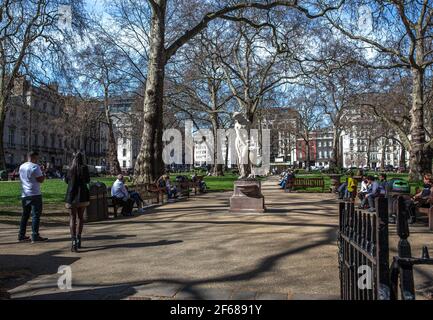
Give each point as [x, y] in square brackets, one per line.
[372, 188]
[127, 199]
[285, 178]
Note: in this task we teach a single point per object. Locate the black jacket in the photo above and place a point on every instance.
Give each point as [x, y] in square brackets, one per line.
[77, 191]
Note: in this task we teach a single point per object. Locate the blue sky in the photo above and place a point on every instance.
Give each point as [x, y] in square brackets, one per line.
[95, 5]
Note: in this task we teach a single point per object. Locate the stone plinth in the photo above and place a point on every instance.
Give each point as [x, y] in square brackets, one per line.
[247, 197]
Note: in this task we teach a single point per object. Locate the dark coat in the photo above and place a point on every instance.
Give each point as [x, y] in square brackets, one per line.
[78, 191]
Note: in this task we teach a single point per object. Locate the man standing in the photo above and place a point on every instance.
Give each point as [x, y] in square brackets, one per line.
[121, 196]
[31, 177]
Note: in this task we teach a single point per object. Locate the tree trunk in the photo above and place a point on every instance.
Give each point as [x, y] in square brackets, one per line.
[149, 165]
[403, 157]
[112, 158]
[334, 162]
[2, 128]
[420, 159]
[308, 155]
[369, 143]
[217, 168]
[382, 160]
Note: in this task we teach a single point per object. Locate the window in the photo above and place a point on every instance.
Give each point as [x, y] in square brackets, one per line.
[124, 152]
[23, 137]
[125, 141]
[53, 141]
[124, 163]
[35, 139]
[11, 137]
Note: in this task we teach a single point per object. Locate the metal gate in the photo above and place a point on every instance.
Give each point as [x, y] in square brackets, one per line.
[364, 252]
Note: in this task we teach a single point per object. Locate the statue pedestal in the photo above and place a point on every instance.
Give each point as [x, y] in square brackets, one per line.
[247, 197]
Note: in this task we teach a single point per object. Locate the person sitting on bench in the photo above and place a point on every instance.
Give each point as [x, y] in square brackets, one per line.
[364, 188]
[374, 191]
[287, 179]
[164, 182]
[135, 196]
[421, 198]
[121, 196]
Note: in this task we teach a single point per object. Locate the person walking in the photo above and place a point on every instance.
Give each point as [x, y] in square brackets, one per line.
[77, 198]
[31, 177]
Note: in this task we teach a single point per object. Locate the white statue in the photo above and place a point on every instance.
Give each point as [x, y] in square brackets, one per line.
[242, 143]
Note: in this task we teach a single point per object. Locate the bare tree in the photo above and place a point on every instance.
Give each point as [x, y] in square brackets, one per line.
[164, 44]
[402, 39]
[199, 90]
[29, 35]
[101, 66]
[306, 103]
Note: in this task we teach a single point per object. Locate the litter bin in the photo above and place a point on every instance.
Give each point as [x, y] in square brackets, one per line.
[97, 209]
[3, 175]
[395, 188]
[102, 202]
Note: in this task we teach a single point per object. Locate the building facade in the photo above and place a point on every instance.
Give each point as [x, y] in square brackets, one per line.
[37, 119]
[320, 146]
[127, 129]
[283, 126]
[367, 144]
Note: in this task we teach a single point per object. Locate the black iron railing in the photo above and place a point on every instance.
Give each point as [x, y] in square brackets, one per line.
[363, 252]
[363, 241]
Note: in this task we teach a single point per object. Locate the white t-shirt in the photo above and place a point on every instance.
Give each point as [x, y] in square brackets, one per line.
[29, 171]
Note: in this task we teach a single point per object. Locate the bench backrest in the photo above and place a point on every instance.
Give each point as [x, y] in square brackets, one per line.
[313, 182]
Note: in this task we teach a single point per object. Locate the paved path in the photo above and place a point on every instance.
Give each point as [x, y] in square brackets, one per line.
[191, 249]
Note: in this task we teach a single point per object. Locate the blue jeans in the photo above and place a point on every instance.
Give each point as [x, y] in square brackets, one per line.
[136, 197]
[283, 184]
[171, 192]
[33, 206]
[342, 190]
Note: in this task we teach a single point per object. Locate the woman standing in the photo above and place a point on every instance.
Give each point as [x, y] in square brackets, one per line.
[77, 198]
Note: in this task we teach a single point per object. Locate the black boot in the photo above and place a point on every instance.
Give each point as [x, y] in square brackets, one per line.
[74, 247]
[79, 242]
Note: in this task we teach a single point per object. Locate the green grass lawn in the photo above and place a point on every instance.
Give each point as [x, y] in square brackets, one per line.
[54, 190]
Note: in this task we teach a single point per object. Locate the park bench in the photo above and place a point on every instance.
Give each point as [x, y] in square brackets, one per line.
[195, 185]
[146, 191]
[153, 191]
[184, 188]
[428, 211]
[112, 203]
[305, 183]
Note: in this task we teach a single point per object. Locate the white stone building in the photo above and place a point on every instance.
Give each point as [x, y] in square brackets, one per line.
[127, 124]
[37, 120]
